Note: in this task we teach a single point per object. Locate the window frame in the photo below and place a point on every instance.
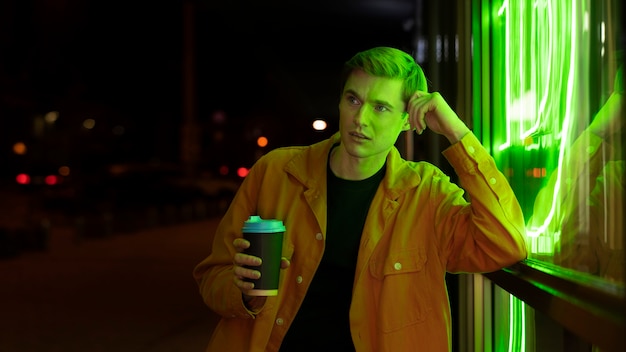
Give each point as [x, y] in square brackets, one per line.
[589, 307]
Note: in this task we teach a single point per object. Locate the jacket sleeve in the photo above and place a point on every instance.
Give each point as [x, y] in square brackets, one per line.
[486, 233]
[214, 274]
[589, 178]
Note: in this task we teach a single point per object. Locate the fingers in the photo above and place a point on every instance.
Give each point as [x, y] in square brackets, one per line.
[419, 105]
[430, 110]
[241, 244]
[242, 266]
[244, 286]
[242, 274]
[243, 259]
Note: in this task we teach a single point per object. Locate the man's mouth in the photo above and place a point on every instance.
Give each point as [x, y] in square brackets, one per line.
[358, 135]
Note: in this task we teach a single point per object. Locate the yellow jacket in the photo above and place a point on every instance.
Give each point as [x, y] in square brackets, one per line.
[419, 227]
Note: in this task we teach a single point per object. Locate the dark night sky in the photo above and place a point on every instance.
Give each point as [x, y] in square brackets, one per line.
[121, 62]
[72, 52]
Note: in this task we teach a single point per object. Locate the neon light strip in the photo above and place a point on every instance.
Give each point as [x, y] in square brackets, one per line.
[505, 8]
[566, 126]
[512, 322]
[517, 323]
[539, 27]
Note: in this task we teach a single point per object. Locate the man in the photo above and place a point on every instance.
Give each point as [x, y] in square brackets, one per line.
[369, 236]
[583, 200]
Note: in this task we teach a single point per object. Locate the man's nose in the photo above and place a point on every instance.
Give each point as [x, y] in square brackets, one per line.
[360, 117]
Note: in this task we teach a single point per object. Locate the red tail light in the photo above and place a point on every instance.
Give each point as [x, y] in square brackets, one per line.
[51, 180]
[242, 172]
[22, 179]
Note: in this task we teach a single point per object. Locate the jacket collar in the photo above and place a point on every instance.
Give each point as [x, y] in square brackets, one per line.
[309, 168]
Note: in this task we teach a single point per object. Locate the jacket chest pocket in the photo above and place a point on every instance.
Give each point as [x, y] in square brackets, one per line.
[403, 290]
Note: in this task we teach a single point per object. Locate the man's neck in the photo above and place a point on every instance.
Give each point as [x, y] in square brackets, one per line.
[348, 167]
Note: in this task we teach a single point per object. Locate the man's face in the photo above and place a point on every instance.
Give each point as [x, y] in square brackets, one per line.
[371, 114]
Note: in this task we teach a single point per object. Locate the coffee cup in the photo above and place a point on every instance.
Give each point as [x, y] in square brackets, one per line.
[266, 242]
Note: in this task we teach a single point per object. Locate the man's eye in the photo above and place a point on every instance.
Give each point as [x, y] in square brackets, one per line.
[352, 100]
[381, 108]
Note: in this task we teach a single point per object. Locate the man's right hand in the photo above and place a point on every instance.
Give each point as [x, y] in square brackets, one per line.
[242, 263]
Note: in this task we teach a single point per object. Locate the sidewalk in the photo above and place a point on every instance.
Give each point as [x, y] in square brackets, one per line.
[128, 292]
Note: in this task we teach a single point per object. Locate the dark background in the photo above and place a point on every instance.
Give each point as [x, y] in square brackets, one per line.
[149, 67]
[179, 90]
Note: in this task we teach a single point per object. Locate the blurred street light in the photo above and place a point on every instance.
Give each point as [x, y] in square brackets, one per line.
[319, 125]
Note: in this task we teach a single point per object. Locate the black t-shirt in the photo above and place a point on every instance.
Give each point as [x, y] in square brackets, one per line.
[323, 319]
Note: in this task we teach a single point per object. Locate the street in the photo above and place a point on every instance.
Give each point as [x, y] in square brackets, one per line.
[124, 292]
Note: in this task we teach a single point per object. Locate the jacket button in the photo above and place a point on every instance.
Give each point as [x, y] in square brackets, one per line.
[279, 321]
[397, 266]
[319, 236]
[471, 149]
[492, 181]
[299, 279]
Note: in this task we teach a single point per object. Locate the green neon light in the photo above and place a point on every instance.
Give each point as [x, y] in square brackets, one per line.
[538, 50]
[521, 100]
[539, 81]
[507, 66]
[517, 324]
[548, 50]
[535, 70]
[566, 126]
